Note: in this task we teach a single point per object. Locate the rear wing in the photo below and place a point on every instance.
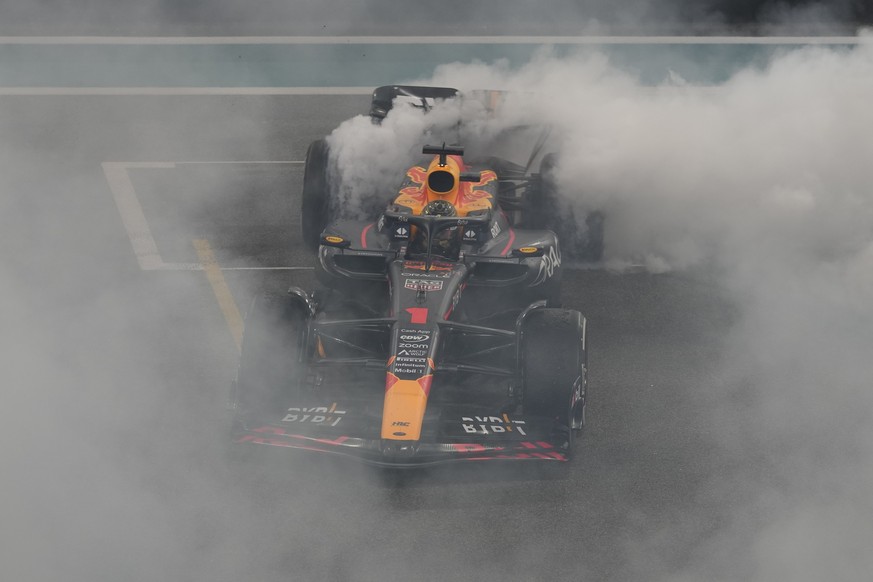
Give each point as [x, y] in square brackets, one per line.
[422, 97]
[425, 98]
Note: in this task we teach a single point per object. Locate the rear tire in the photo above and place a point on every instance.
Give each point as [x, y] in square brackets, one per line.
[555, 365]
[319, 193]
[549, 210]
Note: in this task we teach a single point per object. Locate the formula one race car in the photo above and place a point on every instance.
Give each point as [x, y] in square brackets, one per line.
[528, 199]
[436, 335]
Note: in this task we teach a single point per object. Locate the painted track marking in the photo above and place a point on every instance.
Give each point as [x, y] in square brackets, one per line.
[178, 91]
[144, 246]
[220, 87]
[417, 40]
[221, 290]
[135, 223]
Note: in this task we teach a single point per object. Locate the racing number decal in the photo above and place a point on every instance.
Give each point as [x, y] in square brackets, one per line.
[417, 314]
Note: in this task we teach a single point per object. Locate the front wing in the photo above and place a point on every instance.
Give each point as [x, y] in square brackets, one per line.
[449, 434]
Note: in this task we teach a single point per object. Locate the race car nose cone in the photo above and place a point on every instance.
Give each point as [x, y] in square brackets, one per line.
[399, 449]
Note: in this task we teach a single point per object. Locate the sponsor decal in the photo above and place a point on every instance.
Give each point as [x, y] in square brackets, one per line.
[414, 342]
[495, 229]
[455, 299]
[474, 194]
[550, 263]
[323, 415]
[516, 453]
[470, 235]
[427, 274]
[380, 226]
[472, 448]
[333, 239]
[434, 265]
[411, 358]
[417, 314]
[440, 266]
[486, 425]
[423, 285]
[358, 253]
[401, 232]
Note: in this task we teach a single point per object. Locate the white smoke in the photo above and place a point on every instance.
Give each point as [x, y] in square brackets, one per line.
[764, 183]
[109, 470]
[367, 155]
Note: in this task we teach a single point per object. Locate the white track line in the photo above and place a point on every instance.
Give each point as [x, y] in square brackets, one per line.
[179, 91]
[199, 267]
[207, 91]
[132, 216]
[135, 223]
[340, 40]
[243, 162]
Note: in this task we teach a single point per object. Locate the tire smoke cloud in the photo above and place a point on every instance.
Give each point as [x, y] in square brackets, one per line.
[760, 185]
[113, 468]
[763, 184]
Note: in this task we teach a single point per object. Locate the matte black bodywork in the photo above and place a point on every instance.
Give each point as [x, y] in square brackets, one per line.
[368, 321]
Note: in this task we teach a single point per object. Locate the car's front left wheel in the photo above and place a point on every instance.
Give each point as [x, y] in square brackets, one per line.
[554, 356]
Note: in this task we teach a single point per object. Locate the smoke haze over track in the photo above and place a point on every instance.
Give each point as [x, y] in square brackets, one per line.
[761, 185]
[760, 188]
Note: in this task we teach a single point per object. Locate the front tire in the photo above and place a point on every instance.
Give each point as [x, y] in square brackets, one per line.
[272, 360]
[555, 366]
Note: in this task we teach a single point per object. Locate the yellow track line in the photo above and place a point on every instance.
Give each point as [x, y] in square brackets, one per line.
[222, 291]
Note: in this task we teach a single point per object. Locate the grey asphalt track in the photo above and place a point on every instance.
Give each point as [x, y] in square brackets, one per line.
[336, 17]
[113, 425]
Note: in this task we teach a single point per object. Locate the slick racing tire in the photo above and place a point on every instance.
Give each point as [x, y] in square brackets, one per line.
[550, 211]
[555, 365]
[272, 356]
[319, 205]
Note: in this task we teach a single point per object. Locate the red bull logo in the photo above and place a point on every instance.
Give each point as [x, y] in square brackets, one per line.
[469, 196]
[477, 196]
[417, 174]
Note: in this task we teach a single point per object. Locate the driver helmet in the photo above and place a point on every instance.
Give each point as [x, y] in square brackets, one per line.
[446, 242]
[439, 208]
